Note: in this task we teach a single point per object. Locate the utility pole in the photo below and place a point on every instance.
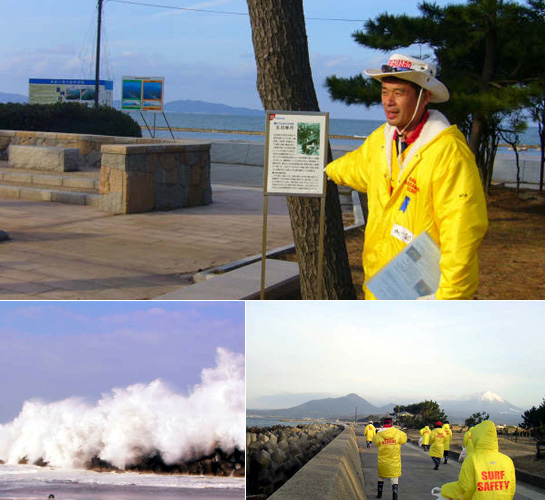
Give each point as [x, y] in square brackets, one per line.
[97, 62]
[356, 416]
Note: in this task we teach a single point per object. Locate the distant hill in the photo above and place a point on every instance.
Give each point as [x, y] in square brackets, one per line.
[18, 98]
[500, 411]
[188, 106]
[329, 408]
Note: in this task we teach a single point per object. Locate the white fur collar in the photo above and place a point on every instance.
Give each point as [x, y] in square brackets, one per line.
[436, 123]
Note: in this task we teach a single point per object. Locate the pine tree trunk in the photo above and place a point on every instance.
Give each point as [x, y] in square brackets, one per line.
[284, 83]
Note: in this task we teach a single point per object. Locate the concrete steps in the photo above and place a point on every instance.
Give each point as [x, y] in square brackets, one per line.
[77, 188]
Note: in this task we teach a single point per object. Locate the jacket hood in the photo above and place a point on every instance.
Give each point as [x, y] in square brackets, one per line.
[484, 437]
[388, 432]
[446, 426]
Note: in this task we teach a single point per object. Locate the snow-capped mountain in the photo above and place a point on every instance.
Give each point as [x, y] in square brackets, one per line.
[500, 410]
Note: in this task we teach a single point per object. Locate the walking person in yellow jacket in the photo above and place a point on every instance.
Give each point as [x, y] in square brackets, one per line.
[437, 448]
[486, 473]
[448, 439]
[419, 175]
[369, 433]
[425, 432]
[388, 440]
[468, 442]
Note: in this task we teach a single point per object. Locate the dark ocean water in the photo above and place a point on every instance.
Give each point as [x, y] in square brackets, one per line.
[270, 421]
[345, 127]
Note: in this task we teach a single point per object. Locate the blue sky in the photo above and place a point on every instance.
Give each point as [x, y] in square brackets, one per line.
[203, 56]
[55, 350]
[401, 352]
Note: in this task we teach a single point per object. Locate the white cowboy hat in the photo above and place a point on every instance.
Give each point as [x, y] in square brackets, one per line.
[413, 70]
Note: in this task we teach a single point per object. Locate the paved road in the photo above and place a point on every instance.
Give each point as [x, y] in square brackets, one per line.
[418, 477]
[71, 252]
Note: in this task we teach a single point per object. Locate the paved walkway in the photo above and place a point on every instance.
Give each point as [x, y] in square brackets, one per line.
[70, 252]
[418, 477]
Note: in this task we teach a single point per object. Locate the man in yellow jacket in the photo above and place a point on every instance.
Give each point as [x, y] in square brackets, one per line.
[437, 448]
[369, 433]
[448, 439]
[388, 440]
[425, 433]
[420, 176]
[486, 473]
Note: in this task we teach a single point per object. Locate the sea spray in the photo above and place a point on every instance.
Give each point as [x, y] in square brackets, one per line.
[132, 424]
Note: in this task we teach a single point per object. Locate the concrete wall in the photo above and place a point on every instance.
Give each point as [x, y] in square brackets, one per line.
[141, 178]
[333, 474]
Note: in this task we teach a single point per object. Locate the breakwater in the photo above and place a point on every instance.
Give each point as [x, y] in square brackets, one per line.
[275, 454]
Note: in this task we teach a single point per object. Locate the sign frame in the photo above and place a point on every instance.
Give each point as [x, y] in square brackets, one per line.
[301, 141]
[294, 163]
[142, 93]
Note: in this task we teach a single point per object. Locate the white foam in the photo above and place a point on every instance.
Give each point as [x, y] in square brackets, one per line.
[31, 473]
[134, 421]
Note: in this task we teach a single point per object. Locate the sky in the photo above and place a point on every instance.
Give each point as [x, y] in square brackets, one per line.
[393, 352]
[55, 350]
[204, 56]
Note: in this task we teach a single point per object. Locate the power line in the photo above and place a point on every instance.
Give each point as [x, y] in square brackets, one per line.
[228, 13]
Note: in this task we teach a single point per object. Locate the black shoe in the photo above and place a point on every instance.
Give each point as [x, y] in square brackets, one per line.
[436, 467]
[380, 486]
[394, 491]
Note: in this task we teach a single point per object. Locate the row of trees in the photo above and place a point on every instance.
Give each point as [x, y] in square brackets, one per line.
[424, 413]
[489, 53]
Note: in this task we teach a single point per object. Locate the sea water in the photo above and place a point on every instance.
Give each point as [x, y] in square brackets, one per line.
[33, 482]
[357, 129]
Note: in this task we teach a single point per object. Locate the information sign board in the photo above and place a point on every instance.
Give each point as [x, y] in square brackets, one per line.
[295, 153]
[140, 93]
[55, 90]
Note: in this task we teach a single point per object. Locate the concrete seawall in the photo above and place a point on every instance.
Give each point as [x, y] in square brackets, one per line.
[333, 474]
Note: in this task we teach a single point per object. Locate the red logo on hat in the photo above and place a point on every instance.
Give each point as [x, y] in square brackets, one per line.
[400, 63]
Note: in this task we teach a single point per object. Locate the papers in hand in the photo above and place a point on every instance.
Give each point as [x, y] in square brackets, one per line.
[412, 273]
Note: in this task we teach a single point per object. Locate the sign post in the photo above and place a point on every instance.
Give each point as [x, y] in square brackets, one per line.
[295, 159]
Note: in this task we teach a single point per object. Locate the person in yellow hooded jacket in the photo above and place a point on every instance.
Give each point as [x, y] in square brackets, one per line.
[388, 440]
[437, 448]
[419, 176]
[486, 473]
[448, 439]
[468, 442]
[369, 433]
[425, 432]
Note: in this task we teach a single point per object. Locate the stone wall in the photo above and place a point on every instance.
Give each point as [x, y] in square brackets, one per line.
[141, 178]
[275, 454]
[89, 145]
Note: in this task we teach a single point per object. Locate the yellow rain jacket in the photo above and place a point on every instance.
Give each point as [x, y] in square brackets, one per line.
[425, 433]
[468, 442]
[388, 442]
[437, 440]
[486, 473]
[369, 432]
[438, 190]
[448, 436]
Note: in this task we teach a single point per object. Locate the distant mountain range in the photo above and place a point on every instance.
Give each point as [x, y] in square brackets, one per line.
[329, 408]
[500, 411]
[182, 106]
[188, 106]
[18, 98]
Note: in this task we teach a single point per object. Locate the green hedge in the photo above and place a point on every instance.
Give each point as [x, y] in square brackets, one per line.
[68, 118]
